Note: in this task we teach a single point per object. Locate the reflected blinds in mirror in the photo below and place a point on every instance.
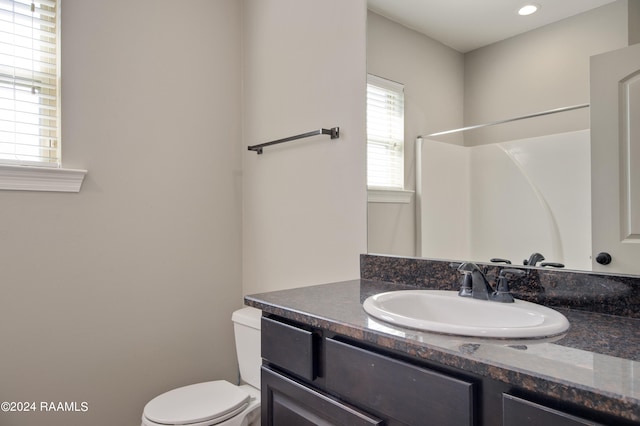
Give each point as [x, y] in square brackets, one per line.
[385, 133]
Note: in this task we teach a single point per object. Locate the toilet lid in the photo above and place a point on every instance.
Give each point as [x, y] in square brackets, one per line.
[197, 403]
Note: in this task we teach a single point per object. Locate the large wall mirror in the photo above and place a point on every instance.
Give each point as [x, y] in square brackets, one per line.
[500, 191]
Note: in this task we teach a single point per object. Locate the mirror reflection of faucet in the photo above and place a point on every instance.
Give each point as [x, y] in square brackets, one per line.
[532, 261]
[537, 257]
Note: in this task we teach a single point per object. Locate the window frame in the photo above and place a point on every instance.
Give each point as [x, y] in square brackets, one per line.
[44, 176]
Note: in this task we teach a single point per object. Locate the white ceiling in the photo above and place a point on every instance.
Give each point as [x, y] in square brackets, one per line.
[466, 25]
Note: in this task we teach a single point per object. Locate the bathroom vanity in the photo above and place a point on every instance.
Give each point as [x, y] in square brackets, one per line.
[325, 361]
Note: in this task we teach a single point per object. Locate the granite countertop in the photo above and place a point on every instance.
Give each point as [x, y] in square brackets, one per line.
[593, 364]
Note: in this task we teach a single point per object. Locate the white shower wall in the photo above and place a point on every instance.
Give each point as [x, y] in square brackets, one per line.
[444, 210]
[524, 196]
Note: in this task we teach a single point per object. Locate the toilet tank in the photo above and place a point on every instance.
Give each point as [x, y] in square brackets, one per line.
[246, 326]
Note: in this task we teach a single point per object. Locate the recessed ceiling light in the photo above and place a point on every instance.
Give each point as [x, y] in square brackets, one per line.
[528, 9]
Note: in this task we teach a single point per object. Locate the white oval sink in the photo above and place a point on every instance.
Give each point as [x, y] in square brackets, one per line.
[445, 312]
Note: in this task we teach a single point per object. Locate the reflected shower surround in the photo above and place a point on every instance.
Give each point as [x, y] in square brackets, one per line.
[507, 200]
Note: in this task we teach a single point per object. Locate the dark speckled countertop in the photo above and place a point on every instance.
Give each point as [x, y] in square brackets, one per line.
[594, 364]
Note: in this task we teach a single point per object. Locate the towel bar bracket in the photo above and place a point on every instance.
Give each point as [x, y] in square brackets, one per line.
[334, 132]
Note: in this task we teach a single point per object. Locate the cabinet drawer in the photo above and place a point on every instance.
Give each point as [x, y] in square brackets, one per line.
[289, 347]
[520, 412]
[286, 402]
[393, 388]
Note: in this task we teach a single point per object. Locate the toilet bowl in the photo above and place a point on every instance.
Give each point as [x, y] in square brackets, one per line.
[217, 402]
[205, 404]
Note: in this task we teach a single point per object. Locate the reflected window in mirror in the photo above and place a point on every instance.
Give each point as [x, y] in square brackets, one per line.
[385, 134]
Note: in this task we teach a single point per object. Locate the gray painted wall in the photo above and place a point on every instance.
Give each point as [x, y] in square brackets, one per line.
[540, 70]
[126, 289]
[304, 216]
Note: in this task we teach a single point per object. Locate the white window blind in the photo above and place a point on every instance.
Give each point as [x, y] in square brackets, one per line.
[385, 133]
[29, 94]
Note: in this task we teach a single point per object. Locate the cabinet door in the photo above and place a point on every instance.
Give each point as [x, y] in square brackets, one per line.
[290, 348]
[397, 390]
[520, 412]
[286, 402]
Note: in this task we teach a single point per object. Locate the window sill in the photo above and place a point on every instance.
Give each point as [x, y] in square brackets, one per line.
[27, 178]
[389, 196]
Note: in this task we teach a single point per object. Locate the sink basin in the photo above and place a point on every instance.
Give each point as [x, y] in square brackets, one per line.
[443, 311]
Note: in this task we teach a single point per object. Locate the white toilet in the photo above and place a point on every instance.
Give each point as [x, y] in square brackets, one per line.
[219, 402]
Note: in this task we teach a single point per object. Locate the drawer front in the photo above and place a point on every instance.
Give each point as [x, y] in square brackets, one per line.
[393, 388]
[289, 347]
[286, 402]
[520, 412]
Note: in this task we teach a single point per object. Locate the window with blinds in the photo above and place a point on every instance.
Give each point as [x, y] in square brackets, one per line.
[29, 94]
[385, 133]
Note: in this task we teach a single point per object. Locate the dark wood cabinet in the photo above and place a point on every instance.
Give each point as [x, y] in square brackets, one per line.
[309, 378]
[520, 412]
[289, 403]
[291, 348]
[410, 394]
[315, 377]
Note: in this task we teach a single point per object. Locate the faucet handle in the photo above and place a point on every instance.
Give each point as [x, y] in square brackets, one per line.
[552, 264]
[512, 271]
[466, 283]
[502, 293]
